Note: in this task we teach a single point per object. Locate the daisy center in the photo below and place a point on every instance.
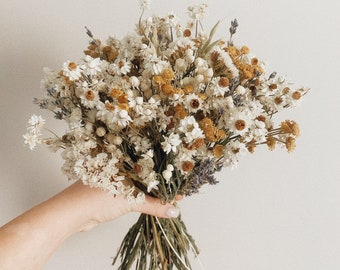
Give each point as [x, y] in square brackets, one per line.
[195, 103]
[240, 125]
[72, 66]
[89, 95]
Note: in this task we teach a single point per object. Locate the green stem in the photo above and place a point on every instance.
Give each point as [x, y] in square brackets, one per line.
[158, 244]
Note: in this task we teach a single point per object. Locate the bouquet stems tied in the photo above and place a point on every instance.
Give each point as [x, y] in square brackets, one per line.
[156, 244]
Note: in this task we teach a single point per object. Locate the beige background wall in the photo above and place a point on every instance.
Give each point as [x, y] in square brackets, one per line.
[276, 211]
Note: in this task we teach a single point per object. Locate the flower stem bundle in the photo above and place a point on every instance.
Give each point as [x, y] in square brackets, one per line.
[154, 243]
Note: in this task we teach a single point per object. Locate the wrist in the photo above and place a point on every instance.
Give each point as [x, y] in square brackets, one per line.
[78, 206]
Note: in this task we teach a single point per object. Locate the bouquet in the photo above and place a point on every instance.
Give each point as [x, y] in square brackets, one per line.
[158, 112]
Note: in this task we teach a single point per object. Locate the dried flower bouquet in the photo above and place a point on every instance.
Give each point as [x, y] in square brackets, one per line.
[158, 112]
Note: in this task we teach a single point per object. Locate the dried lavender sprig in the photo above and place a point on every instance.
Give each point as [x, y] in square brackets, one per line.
[232, 30]
[202, 174]
[272, 75]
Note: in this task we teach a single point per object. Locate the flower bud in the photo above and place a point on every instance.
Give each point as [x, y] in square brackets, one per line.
[111, 148]
[167, 174]
[100, 131]
[170, 167]
[240, 90]
[117, 140]
[134, 82]
[123, 114]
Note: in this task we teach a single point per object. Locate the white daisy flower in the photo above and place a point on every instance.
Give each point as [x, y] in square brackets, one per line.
[122, 67]
[193, 103]
[238, 122]
[190, 128]
[89, 98]
[72, 70]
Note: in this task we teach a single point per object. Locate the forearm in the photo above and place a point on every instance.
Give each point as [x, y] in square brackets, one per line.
[28, 241]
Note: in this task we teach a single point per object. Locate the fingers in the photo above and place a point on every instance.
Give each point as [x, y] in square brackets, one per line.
[178, 197]
[153, 206]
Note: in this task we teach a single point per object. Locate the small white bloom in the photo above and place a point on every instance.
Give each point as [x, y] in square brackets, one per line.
[235, 150]
[189, 56]
[240, 90]
[181, 65]
[31, 139]
[169, 167]
[140, 144]
[176, 99]
[144, 4]
[148, 154]
[123, 113]
[93, 65]
[33, 135]
[230, 102]
[155, 65]
[123, 118]
[167, 174]
[153, 185]
[197, 12]
[257, 131]
[170, 143]
[171, 20]
[134, 81]
[37, 121]
[132, 199]
[190, 128]
[72, 70]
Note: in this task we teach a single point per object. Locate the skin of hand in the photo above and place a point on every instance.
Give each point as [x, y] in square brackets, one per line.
[28, 241]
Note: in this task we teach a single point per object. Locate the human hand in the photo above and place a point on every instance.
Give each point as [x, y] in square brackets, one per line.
[98, 206]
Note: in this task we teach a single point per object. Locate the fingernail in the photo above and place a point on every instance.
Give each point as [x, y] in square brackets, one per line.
[172, 212]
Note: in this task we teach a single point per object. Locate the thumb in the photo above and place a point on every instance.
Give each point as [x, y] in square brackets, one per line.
[153, 206]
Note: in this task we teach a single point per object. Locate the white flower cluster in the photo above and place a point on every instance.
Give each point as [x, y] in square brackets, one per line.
[33, 135]
[149, 109]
